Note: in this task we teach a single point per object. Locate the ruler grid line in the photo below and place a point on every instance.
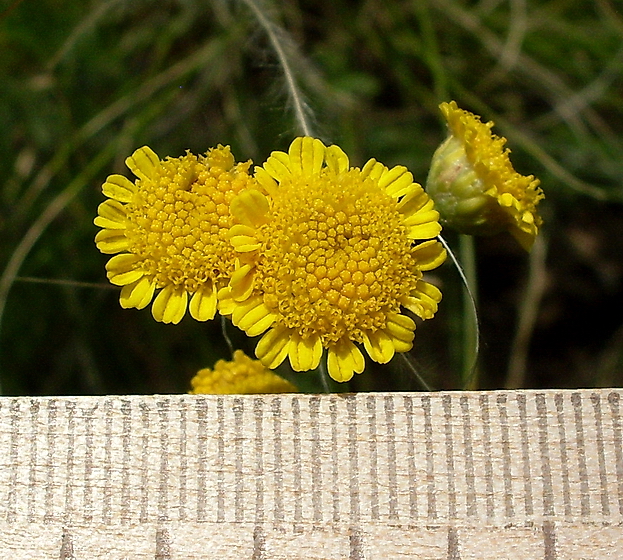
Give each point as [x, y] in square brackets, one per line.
[447, 415]
[335, 470]
[163, 483]
[601, 459]
[108, 494]
[258, 413]
[220, 461]
[430, 458]
[546, 472]
[485, 417]
[183, 471]
[576, 402]
[388, 402]
[564, 456]
[69, 459]
[316, 457]
[411, 469]
[373, 450]
[296, 458]
[614, 399]
[279, 515]
[32, 475]
[470, 475]
[50, 483]
[351, 406]
[507, 477]
[239, 480]
[525, 453]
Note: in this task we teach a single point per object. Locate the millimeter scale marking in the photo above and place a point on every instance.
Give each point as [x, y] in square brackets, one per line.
[438, 476]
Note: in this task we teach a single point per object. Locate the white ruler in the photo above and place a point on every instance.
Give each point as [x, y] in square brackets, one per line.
[444, 476]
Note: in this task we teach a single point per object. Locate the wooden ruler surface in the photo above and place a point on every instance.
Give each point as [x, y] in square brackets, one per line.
[440, 476]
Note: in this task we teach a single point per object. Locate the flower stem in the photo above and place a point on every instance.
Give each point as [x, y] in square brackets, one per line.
[469, 370]
[226, 336]
[324, 376]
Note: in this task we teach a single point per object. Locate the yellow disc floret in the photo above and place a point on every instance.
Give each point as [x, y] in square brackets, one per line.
[327, 259]
[169, 230]
[242, 375]
[474, 185]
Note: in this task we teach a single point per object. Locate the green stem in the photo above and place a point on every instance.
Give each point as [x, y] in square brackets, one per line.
[324, 375]
[431, 53]
[469, 370]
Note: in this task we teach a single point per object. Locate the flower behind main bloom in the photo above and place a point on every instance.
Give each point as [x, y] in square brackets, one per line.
[168, 231]
[327, 259]
[474, 185]
[240, 376]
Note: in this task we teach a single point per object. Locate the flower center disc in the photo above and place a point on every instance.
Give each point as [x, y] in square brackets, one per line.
[180, 218]
[337, 258]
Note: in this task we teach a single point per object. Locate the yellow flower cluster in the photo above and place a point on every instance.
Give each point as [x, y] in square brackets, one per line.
[169, 231]
[328, 257]
[311, 254]
[240, 376]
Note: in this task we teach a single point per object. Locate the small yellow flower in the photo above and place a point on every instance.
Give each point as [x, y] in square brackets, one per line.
[474, 185]
[168, 231]
[240, 376]
[327, 259]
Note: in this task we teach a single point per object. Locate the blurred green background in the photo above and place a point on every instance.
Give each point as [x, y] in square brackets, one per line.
[83, 84]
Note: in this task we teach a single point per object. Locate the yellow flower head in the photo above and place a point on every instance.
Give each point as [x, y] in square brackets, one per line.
[474, 185]
[327, 259]
[240, 376]
[168, 231]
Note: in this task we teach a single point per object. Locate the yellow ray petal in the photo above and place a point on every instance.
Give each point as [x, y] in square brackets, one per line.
[265, 180]
[119, 188]
[424, 301]
[379, 346]
[277, 166]
[143, 162]
[396, 181]
[226, 303]
[306, 155]
[138, 295]
[202, 305]
[429, 254]
[120, 269]
[241, 282]
[111, 241]
[257, 321]
[112, 215]
[253, 317]
[401, 329]
[305, 353]
[428, 230]
[422, 217]
[272, 348]
[373, 170]
[250, 208]
[336, 159]
[343, 360]
[170, 305]
[243, 238]
[414, 202]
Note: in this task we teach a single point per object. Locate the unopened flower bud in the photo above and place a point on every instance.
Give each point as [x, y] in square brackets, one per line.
[474, 186]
